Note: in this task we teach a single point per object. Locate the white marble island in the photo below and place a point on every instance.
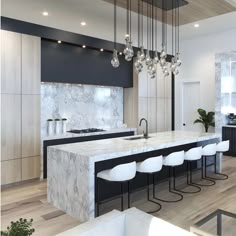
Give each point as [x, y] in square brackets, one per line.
[71, 167]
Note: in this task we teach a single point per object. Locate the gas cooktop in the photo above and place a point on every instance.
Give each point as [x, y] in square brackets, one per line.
[82, 131]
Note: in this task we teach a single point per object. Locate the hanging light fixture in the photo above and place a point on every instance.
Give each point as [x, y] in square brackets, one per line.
[150, 57]
[128, 51]
[115, 60]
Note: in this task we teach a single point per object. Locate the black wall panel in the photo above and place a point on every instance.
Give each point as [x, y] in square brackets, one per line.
[65, 63]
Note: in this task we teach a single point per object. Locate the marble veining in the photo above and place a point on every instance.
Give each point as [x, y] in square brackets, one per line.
[71, 167]
[84, 106]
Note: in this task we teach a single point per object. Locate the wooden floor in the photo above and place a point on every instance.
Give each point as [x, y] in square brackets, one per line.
[30, 201]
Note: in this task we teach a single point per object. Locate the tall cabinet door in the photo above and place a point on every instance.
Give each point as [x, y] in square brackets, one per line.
[30, 125]
[10, 62]
[10, 126]
[31, 61]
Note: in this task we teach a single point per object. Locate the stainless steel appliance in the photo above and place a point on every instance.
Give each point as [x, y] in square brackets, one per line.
[82, 131]
[231, 119]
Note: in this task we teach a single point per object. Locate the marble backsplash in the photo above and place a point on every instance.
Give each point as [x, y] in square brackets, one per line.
[84, 106]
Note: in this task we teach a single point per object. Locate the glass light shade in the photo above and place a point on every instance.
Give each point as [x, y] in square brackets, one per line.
[115, 60]
[163, 54]
[148, 59]
[142, 54]
[156, 58]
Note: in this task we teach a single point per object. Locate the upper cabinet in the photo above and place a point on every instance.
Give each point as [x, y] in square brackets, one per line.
[31, 64]
[10, 62]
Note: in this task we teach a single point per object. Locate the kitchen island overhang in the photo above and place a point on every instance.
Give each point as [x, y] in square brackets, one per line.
[72, 167]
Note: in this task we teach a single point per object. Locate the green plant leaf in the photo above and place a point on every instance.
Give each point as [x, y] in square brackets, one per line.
[202, 112]
[198, 121]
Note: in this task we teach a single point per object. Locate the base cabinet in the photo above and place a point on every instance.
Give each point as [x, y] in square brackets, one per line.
[30, 168]
[229, 133]
[10, 171]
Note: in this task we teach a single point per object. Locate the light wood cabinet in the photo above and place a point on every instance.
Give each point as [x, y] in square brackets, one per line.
[10, 171]
[30, 168]
[30, 125]
[20, 107]
[10, 126]
[31, 64]
[10, 62]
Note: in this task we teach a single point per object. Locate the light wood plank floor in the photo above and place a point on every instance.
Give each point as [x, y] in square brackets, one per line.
[30, 201]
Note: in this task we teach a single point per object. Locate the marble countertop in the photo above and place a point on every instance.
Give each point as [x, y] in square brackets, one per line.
[117, 147]
[229, 126]
[73, 135]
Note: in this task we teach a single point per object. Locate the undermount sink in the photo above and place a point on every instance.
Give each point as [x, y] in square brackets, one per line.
[137, 137]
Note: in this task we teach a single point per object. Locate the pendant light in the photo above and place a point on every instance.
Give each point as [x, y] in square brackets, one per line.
[115, 60]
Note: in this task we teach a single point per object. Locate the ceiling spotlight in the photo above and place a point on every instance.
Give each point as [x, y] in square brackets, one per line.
[84, 46]
[196, 25]
[83, 23]
[120, 53]
[59, 41]
[45, 13]
[101, 49]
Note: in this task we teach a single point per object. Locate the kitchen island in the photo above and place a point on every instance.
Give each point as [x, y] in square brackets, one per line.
[72, 167]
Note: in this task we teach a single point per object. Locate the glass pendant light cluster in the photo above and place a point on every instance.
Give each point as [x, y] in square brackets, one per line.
[150, 56]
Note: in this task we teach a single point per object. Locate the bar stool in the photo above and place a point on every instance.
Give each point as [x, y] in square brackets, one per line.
[221, 147]
[172, 160]
[207, 151]
[121, 173]
[149, 167]
[191, 155]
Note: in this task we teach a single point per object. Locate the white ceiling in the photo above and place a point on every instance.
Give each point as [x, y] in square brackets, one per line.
[67, 15]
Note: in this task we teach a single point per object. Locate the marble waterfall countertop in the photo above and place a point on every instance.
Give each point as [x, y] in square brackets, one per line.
[71, 167]
[229, 126]
[74, 135]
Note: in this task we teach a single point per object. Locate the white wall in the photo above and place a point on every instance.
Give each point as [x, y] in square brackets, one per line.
[198, 57]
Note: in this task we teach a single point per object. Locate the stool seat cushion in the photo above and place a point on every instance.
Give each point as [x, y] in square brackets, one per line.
[150, 165]
[119, 173]
[209, 150]
[222, 146]
[174, 159]
[193, 154]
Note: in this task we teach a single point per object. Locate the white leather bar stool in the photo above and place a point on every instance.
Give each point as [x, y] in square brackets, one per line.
[121, 173]
[149, 167]
[207, 151]
[191, 155]
[172, 160]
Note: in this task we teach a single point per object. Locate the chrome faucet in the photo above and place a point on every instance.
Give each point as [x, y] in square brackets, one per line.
[145, 134]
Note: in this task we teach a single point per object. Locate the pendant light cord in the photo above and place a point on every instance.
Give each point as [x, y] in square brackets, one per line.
[114, 24]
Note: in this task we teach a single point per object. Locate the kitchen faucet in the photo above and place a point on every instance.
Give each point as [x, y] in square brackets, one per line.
[145, 134]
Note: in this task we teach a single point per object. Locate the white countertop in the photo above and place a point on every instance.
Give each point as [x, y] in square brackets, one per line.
[73, 135]
[229, 126]
[117, 147]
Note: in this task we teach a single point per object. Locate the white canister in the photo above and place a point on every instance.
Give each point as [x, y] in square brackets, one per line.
[64, 121]
[57, 126]
[50, 128]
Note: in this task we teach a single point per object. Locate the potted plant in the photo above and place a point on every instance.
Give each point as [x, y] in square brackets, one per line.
[206, 118]
[22, 227]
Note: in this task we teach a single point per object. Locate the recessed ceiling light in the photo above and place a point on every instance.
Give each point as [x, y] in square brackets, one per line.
[84, 46]
[83, 23]
[196, 25]
[45, 13]
[59, 41]
[101, 49]
[120, 53]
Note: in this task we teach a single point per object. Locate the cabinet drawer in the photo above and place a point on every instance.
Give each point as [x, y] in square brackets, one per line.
[30, 168]
[11, 171]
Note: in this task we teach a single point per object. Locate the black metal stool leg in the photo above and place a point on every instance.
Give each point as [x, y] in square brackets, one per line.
[204, 170]
[218, 174]
[128, 194]
[170, 190]
[189, 181]
[148, 196]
